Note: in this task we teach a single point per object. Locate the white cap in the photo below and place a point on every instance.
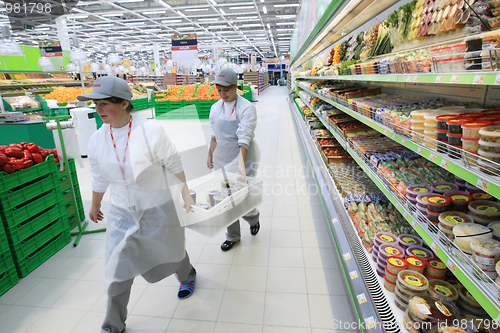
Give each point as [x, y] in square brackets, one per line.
[226, 77]
[106, 87]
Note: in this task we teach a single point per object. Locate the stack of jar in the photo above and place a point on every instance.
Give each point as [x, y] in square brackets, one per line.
[468, 303]
[489, 148]
[448, 220]
[485, 253]
[466, 233]
[409, 284]
[484, 212]
[418, 122]
[442, 132]
[455, 136]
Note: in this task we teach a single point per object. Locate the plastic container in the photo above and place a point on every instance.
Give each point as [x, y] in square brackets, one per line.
[442, 145]
[442, 121]
[411, 200]
[455, 125]
[443, 187]
[420, 114]
[412, 281]
[471, 187]
[396, 265]
[448, 234]
[422, 210]
[481, 195]
[487, 270]
[435, 313]
[497, 267]
[448, 220]
[384, 238]
[435, 268]
[486, 252]
[454, 139]
[381, 271]
[417, 123]
[422, 199]
[402, 306]
[474, 311]
[407, 240]
[389, 250]
[471, 129]
[486, 210]
[391, 277]
[433, 217]
[430, 127]
[470, 145]
[460, 202]
[416, 264]
[442, 135]
[442, 289]
[490, 134]
[495, 226]
[495, 157]
[439, 203]
[430, 139]
[491, 147]
[465, 233]
[390, 286]
[413, 191]
[449, 193]
[488, 167]
[420, 252]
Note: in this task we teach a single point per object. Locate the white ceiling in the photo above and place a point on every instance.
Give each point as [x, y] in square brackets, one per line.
[239, 27]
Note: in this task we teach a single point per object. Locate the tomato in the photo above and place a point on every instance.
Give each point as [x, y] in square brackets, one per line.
[37, 158]
[27, 154]
[3, 159]
[8, 167]
[18, 164]
[33, 148]
[27, 163]
[14, 152]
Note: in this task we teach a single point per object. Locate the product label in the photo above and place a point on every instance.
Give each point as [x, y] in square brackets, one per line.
[387, 238]
[415, 262]
[487, 208]
[485, 260]
[459, 198]
[396, 262]
[443, 309]
[420, 253]
[469, 296]
[409, 240]
[481, 196]
[437, 200]
[443, 187]
[392, 250]
[454, 219]
[423, 308]
[413, 280]
[442, 290]
[420, 189]
[437, 264]
[424, 199]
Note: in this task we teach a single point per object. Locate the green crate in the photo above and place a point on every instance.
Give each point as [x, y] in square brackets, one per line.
[33, 260]
[19, 195]
[6, 259]
[19, 214]
[176, 105]
[69, 207]
[32, 225]
[71, 220]
[247, 96]
[8, 279]
[4, 243]
[32, 243]
[21, 177]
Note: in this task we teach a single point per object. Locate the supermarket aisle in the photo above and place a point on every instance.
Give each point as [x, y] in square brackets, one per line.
[287, 279]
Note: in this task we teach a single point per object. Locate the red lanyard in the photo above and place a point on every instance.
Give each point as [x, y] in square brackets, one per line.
[224, 110]
[122, 166]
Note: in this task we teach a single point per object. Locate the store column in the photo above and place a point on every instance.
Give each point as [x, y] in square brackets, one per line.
[157, 59]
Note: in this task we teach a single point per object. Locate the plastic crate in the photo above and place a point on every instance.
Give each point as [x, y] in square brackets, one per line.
[21, 177]
[176, 105]
[33, 260]
[8, 279]
[32, 243]
[71, 220]
[6, 259]
[19, 195]
[19, 214]
[32, 225]
[4, 243]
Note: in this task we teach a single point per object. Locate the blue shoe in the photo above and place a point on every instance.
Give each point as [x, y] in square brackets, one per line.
[185, 290]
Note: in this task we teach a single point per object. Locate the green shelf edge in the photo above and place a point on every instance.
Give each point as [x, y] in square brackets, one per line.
[489, 187]
[461, 276]
[41, 84]
[23, 92]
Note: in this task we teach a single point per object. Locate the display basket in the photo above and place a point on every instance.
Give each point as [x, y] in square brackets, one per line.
[210, 222]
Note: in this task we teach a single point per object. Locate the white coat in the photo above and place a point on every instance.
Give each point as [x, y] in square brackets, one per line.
[143, 229]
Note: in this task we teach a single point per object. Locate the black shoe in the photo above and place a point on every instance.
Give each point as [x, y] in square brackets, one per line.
[227, 245]
[254, 230]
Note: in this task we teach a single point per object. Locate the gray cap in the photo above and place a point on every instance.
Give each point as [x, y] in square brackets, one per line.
[108, 86]
[226, 77]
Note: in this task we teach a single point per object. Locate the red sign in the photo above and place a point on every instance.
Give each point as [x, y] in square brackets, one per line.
[185, 48]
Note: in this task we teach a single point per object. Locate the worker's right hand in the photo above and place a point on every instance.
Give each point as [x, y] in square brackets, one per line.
[210, 161]
[95, 214]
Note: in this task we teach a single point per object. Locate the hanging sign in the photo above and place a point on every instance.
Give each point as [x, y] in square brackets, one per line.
[184, 42]
[52, 49]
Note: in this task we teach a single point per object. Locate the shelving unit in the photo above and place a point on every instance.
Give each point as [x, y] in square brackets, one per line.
[261, 80]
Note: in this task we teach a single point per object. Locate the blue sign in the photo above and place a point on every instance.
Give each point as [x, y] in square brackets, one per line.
[273, 67]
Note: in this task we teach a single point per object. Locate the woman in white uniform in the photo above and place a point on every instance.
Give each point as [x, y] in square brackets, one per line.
[232, 121]
[135, 158]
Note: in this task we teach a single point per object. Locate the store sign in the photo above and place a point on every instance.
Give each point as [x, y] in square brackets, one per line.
[52, 49]
[185, 50]
[276, 67]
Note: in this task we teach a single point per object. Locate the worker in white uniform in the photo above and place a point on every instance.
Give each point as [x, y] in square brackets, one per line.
[232, 148]
[136, 159]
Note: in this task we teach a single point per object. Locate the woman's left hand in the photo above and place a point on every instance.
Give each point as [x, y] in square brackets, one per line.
[242, 171]
[188, 202]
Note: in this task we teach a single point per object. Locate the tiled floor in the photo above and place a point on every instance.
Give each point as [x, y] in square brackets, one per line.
[287, 279]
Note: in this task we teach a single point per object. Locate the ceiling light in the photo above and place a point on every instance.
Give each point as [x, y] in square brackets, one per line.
[217, 26]
[42, 29]
[264, 9]
[105, 25]
[285, 23]
[124, 1]
[288, 5]
[222, 11]
[110, 15]
[242, 7]
[288, 34]
[79, 16]
[171, 21]
[246, 17]
[285, 29]
[196, 10]
[156, 12]
[97, 32]
[285, 16]
[185, 28]
[209, 19]
[135, 23]
[251, 25]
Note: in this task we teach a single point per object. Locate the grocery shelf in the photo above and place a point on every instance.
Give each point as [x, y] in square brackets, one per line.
[485, 293]
[480, 78]
[40, 84]
[26, 91]
[487, 183]
[370, 301]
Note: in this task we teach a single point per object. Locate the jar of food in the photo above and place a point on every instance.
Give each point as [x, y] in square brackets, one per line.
[491, 147]
[433, 217]
[442, 146]
[384, 238]
[381, 271]
[490, 134]
[438, 313]
[448, 220]
[455, 125]
[430, 127]
[413, 191]
[449, 193]
[390, 277]
[390, 286]
[481, 195]
[412, 281]
[396, 264]
[417, 123]
[389, 250]
[418, 251]
[430, 139]
[442, 135]
[482, 270]
[407, 240]
[465, 233]
[443, 187]
[420, 114]
[470, 145]
[442, 121]
[495, 157]
[422, 199]
[455, 139]
[436, 268]
[438, 203]
[471, 129]
[486, 210]
[442, 289]
[448, 234]
[471, 187]
[401, 306]
[491, 111]
[486, 252]
[495, 226]
[460, 202]
[458, 49]
[467, 298]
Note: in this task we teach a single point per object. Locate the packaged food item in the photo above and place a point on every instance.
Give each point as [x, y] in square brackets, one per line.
[433, 217]
[384, 238]
[486, 210]
[487, 167]
[490, 134]
[442, 135]
[465, 233]
[460, 202]
[401, 305]
[436, 268]
[412, 281]
[443, 187]
[381, 271]
[495, 226]
[495, 157]
[414, 190]
[420, 252]
[438, 312]
[409, 324]
[442, 289]
[449, 193]
[416, 264]
[448, 234]
[491, 147]
[407, 240]
[389, 250]
[417, 123]
[439, 203]
[390, 286]
[455, 139]
[448, 220]
[391, 277]
[471, 129]
[470, 145]
[481, 195]
[442, 145]
[420, 114]
[471, 187]
[442, 121]
[480, 271]
[422, 199]
[455, 124]
[396, 265]
[486, 252]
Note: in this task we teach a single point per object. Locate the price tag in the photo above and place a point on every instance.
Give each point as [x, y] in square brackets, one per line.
[483, 184]
[497, 80]
[452, 267]
[415, 78]
[353, 275]
[420, 150]
[409, 78]
[361, 298]
[370, 323]
[403, 141]
[435, 248]
[347, 256]
[439, 78]
[433, 158]
[479, 78]
[414, 224]
[455, 78]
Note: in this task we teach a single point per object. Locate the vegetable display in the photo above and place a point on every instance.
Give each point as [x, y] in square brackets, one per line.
[21, 156]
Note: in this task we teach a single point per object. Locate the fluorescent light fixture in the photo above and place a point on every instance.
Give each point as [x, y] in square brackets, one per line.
[288, 5]
[286, 23]
[155, 12]
[208, 19]
[105, 25]
[185, 28]
[222, 11]
[171, 21]
[217, 26]
[246, 17]
[111, 15]
[42, 29]
[151, 30]
[285, 16]
[288, 29]
[264, 9]
[196, 10]
[97, 32]
[125, 1]
[242, 7]
[251, 25]
[135, 23]
[79, 16]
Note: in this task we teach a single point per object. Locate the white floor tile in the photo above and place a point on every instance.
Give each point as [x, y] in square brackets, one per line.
[320, 258]
[210, 276]
[247, 278]
[188, 326]
[242, 307]
[141, 324]
[156, 301]
[20, 289]
[46, 293]
[324, 281]
[285, 223]
[328, 309]
[3, 308]
[95, 272]
[281, 329]
[240, 328]
[91, 322]
[72, 268]
[286, 310]
[286, 280]
[316, 239]
[81, 296]
[57, 320]
[286, 257]
[135, 295]
[252, 255]
[212, 254]
[17, 319]
[204, 304]
[94, 248]
[281, 238]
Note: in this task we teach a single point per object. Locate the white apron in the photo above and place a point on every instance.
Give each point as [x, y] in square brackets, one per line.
[143, 229]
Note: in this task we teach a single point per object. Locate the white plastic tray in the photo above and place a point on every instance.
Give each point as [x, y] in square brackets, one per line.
[216, 219]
